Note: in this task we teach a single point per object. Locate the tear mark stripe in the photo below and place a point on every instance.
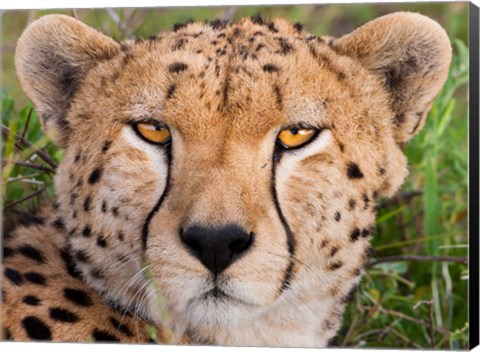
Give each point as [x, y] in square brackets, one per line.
[157, 206]
[291, 243]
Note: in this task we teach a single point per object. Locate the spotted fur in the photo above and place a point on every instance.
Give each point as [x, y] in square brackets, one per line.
[96, 267]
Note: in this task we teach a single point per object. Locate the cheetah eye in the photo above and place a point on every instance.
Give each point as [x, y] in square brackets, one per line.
[296, 137]
[153, 132]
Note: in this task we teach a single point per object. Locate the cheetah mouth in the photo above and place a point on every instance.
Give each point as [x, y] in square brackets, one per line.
[219, 296]
[218, 308]
[216, 294]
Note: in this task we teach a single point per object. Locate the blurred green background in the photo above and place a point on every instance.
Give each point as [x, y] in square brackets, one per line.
[414, 292]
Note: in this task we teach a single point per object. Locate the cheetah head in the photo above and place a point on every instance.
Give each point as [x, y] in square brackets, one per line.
[230, 171]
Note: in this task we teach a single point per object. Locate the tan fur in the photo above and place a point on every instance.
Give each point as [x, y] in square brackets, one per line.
[94, 314]
[224, 92]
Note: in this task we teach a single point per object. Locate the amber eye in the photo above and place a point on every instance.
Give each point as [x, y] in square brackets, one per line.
[296, 137]
[153, 133]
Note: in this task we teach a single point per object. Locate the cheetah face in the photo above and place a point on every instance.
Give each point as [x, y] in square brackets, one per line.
[229, 171]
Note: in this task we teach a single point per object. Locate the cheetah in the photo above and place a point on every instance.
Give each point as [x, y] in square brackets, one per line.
[219, 181]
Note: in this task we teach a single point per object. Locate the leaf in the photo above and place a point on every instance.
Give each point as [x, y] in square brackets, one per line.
[431, 205]
[389, 215]
[375, 295]
[152, 333]
[398, 267]
[445, 118]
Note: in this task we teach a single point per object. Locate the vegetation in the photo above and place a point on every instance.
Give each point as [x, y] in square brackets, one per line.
[414, 291]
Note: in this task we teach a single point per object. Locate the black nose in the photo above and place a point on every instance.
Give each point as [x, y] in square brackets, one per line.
[216, 248]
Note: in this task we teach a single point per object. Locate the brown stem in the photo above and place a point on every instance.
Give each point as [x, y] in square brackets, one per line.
[229, 13]
[401, 197]
[405, 339]
[406, 317]
[401, 220]
[25, 128]
[75, 14]
[350, 330]
[24, 199]
[35, 166]
[432, 328]
[26, 177]
[122, 26]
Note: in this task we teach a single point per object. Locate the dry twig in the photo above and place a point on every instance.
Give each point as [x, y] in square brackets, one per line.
[24, 199]
[405, 339]
[32, 14]
[75, 14]
[229, 13]
[25, 128]
[26, 144]
[399, 198]
[122, 26]
[23, 178]
[432, 328]
[404, 316]
[35, 166]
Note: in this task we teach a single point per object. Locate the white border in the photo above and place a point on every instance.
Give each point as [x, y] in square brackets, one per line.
[55, 4]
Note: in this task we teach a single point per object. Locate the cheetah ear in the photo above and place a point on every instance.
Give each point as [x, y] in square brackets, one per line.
[52, 56]
[411, 53]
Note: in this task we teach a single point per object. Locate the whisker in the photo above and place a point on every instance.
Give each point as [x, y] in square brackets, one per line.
[166, 324]
[140, 306]
[130, 302]
[293, 257]
[134, 278]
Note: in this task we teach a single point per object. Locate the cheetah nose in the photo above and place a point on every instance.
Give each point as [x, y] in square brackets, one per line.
[216, 248]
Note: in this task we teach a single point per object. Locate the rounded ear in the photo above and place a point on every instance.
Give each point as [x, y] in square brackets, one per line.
[52, 57]
[411, 53]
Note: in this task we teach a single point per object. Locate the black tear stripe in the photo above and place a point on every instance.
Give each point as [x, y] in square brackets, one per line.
[288, 276]
[156, 208]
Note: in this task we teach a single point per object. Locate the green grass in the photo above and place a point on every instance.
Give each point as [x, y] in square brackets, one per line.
[19, 181]
[429, 220]
[402, 303]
